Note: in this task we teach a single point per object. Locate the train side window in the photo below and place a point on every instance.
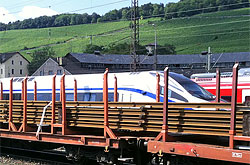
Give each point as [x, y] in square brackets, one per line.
[90, 97]
[16, 96]
[57, 96]
[69, 97]
[111, 97]
[80, 96]
[5, 96]
[86, 97]
[162, 91]
[44, 96]
[227, 98]
[30, 96]
[93, 97]
[99, 97]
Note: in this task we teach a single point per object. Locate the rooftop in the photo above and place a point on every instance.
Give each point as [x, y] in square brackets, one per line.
[162, 59]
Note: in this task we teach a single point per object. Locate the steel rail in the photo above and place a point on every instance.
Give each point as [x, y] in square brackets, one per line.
[133, 116]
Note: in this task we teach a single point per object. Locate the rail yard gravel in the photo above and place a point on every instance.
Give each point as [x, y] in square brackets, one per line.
[12, 160]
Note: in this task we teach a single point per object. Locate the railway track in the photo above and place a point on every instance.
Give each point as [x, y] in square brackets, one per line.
[33, 156]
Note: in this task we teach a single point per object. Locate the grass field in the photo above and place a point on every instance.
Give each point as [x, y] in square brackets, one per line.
[226, 31]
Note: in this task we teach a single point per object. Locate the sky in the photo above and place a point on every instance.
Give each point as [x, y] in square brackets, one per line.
[13, 10]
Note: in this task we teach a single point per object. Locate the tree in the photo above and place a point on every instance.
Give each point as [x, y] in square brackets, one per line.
[94, 17]
[166, 49]
[62, 20]
[156, 10]
[92, 48]
[2, 26]
[86, 18]
[146, 10]
[110, 16]
[39, 57]
[125, 14]
[170, 10]
[122, 48]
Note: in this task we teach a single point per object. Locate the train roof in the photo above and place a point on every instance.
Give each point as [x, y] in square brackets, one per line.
[242, 72]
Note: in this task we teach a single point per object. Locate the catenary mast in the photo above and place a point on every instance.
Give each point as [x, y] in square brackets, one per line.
[134, 35]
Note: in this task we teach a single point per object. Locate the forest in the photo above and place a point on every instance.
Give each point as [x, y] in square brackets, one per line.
[183, 8]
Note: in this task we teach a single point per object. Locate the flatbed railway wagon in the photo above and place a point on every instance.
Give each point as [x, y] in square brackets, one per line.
[113, 132]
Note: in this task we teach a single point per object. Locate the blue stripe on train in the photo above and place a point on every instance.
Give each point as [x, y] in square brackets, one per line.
[142, 92]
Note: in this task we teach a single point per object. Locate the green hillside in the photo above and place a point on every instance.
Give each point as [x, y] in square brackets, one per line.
[226, 31]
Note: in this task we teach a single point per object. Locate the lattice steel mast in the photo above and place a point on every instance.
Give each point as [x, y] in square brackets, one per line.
[134, 34]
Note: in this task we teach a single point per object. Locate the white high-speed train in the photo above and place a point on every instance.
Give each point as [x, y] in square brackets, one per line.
[132, 87]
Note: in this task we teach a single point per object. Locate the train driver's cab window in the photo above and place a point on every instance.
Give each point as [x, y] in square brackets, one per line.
[192, 88]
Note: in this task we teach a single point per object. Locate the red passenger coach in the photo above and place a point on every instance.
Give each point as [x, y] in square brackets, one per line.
[243, 88]
[130, 132]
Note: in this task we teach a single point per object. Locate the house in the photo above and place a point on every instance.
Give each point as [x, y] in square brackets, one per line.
[50, 67]
[13, 65]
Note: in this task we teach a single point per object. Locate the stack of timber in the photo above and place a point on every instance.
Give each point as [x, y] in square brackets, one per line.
[203, 118]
